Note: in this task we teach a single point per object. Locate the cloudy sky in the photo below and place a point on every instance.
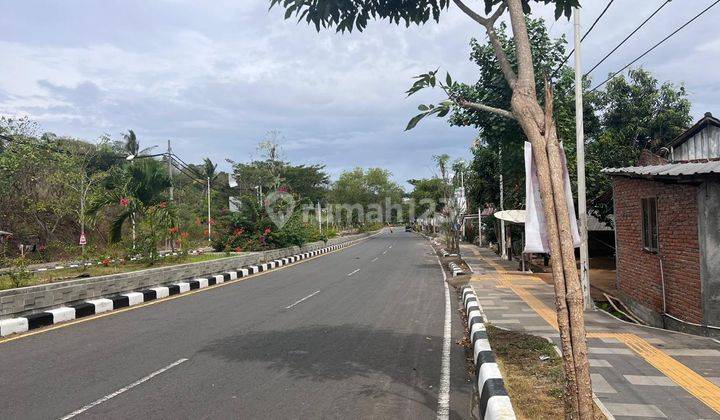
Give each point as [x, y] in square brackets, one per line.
[215, 76]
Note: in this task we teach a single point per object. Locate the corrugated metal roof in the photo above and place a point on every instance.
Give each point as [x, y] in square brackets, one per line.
[595, 225]
[670, 169]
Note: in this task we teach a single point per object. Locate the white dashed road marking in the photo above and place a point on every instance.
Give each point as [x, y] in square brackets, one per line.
[303, 299]
[353, 272]
[121, 390]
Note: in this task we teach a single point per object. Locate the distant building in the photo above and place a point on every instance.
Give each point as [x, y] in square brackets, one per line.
[667, 223]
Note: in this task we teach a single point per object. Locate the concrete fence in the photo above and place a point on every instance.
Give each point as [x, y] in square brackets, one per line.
[26, 300]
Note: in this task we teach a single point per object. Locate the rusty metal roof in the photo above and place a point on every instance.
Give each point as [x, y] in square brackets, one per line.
[678, 169]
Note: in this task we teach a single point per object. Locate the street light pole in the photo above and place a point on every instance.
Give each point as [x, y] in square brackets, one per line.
[580, 147]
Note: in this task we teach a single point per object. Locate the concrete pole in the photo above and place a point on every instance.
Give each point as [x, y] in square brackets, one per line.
[319, 216]
[208, 199]
[580, 147]
[464, 201]
[170, 172]
[479, 225]
[503, 253]
[169, 241]
[82, 213]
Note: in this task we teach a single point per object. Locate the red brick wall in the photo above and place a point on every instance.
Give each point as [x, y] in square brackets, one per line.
[639, 270]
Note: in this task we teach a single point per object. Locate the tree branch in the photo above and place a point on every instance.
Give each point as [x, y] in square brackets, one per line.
[526, 71]
[489, 24]
[470, 12]
[482, 107]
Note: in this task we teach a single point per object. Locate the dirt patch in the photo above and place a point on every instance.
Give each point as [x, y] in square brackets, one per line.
[533, 374]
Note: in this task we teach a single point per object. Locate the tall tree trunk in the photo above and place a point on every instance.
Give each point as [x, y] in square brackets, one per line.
[524, 107]
[539, 127]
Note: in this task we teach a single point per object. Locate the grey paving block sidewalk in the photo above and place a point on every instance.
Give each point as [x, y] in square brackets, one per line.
[621, 354]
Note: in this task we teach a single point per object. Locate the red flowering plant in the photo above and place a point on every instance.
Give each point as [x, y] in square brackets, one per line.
[124, 201]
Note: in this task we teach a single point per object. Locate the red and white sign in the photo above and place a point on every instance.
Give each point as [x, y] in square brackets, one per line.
[83, 239]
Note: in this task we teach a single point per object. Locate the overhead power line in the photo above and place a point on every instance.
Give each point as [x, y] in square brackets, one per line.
[628, 37]
[185, 172]
[189, 167]
[597, 19]
[657, 44]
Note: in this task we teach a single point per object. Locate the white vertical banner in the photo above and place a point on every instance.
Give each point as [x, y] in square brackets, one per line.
[536, 238]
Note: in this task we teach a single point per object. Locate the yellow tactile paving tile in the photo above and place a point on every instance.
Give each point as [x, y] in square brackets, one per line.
[688, 379]
[699, 387]
[549, 315]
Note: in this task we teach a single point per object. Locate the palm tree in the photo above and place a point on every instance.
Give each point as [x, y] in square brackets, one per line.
[135, 188]
[209, 170]
[132, 145]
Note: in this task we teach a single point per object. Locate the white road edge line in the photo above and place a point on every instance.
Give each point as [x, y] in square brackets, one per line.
[303, 299]
[353, 272]
[443, 410]
[121, 390]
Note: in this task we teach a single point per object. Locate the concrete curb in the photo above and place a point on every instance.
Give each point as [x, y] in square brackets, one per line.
[494, 400]
[97, 306]
[456, 270]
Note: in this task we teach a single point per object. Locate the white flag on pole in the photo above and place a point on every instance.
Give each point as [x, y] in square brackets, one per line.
[536, 239]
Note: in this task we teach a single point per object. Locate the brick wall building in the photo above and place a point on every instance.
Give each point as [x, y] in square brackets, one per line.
[638, 269]
[667, 225]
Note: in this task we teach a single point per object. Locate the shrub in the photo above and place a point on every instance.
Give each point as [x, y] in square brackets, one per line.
[19, 275]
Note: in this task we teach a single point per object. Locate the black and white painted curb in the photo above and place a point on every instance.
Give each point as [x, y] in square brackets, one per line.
[100, 305]
[456, 270]
[494, 400]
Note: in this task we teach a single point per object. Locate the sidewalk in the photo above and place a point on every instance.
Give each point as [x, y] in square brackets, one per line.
[637, 372]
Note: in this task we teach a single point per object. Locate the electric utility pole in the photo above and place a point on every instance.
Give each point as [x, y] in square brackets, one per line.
[208, 199]
[170, 241]
[319, 216]
[170, 172]
[580, 147]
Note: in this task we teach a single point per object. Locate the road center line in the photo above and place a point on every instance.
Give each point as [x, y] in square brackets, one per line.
[303, 299]
[443, 410]
[353, 272]
[374, 259]
[121, 390]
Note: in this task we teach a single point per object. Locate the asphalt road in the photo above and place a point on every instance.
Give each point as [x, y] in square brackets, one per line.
[357, 333]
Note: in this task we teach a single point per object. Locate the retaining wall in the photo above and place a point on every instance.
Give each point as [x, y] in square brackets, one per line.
[26, 300]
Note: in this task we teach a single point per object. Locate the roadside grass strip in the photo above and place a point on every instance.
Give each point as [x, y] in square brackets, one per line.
[91, 307]
[78, 264]
[456, 270]
[494, 400]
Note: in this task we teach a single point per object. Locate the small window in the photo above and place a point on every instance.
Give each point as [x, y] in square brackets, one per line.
[650, 224]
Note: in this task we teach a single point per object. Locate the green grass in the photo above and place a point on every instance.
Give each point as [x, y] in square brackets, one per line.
[51, 276]
[533, 374]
